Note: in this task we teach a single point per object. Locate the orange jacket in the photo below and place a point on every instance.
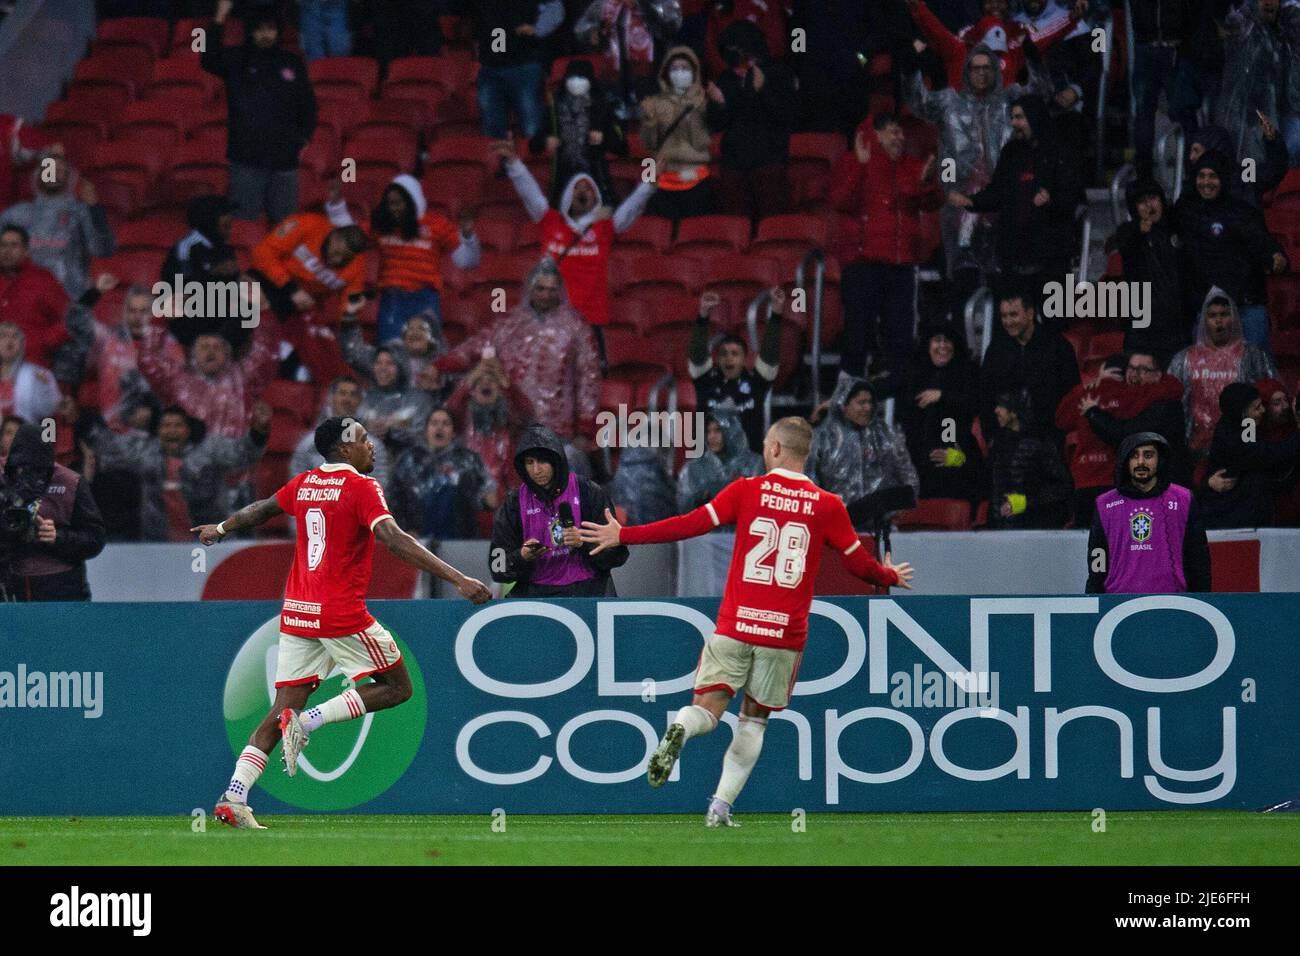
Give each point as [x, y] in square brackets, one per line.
[413, 264]
[294, 253]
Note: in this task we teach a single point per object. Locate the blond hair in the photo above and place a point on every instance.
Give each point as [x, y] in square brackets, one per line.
[794, 434]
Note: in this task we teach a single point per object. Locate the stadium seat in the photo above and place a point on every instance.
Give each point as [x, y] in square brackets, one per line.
[382, 151]
[132, 64]
[80, 138]
[632, 358]
[246, 233]
[640, 272]
[155, 233]
[812, 156]
[350, 77]
[142, 266]
[615, 393]
[286, 430]
[503, 270]
[936, 514]
[154, 124]
[528, 238]
[455, 185]
[712, 233]
[181, 80]
[149, 33]
[664, 308]
[369, 186]
[414, 115]
[461, 150]
[650, 233]
[1100, 347]
[738, 278]
[125, 156]
[103, 99]
[342, 116]
[444, 72]
[505, 210]
[496, 235]
[561, 64]
[789, 237]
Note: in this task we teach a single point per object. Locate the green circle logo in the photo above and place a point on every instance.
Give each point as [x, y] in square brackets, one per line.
[345, 764]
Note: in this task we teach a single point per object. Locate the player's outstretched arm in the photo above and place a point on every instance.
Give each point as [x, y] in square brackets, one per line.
[904, 571]
[603, 536]
[721, 510]
[249, 516]
[417, 555]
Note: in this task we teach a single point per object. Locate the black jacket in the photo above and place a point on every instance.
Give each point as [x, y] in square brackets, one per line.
[492, 15]
[1046, 366]
[1196, 548]
[507, 526]
[1216, 139]
[1026, 462]
[1225, 243]
[1154, 257]
[926, 428]
[1162, 417]
[1164, 20]
[271, 106]
[755, 124]
[1255, 465]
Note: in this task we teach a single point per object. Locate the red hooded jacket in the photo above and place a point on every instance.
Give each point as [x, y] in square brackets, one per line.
[1093, 463]
[34, 300]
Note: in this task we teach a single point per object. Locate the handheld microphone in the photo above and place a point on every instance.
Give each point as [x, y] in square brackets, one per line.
[566, 515]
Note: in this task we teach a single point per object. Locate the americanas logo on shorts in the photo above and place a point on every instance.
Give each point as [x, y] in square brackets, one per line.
[346, 764]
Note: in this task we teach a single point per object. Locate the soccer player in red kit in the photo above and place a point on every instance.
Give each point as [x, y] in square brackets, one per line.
[324, 623]
[782, 521]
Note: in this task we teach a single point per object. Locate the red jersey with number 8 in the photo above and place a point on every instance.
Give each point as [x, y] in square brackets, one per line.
[336, 508]
[782, 522]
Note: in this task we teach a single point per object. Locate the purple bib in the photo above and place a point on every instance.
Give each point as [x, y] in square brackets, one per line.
[1145, 540]
[541, 520]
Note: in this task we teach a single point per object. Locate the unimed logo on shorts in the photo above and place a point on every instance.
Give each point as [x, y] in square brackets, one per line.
[345, 764]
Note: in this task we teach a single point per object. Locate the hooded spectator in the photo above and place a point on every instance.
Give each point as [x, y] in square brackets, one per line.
[1226, 244]
[1147, 535]
[113, 365]
[857, 455]
[936, 408]
[411, 241]
[880, 193]
[204, 252]
[493, 411]
[26, 389]
[64, 223]
[31, 297]
[1243, 469]
[642, 480]
[414, 351]
[1029, 484]
[272, 113]
[1280, 423]
[545, 348]
[534, 549]
[182, 470]
[674, 127]
[579, 233]
[755, 105]
[1036, 191]
[393, 409]
[583, 130]
[974, 122]
[1150, 251]
[726, 457]
[767, 17]
[439, 486]
[344, 399]
[1268, 174]
[1220, 356]
[1262, 44]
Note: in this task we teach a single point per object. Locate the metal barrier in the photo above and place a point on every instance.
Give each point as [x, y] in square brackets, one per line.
[1085, 253]
[1179, 138]
[1123, 176]
[1130, 49]
[1103, 85]
[979, 307]
[818, 259]
[666, 385]
[764, 298]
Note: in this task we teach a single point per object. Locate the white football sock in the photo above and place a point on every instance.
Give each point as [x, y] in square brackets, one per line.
[346, 706]
[248, 768]
[739, 760]
[696, 720]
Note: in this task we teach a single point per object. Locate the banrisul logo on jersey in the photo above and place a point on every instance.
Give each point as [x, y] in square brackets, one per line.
[346, 764]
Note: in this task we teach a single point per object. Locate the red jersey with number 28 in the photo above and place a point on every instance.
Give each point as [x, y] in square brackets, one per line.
[337, 509]
[782, 521]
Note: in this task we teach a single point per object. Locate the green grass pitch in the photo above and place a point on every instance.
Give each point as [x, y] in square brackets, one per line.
[1174, 838]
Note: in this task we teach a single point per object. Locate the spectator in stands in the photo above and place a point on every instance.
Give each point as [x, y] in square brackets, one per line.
[723, 378]
[31, 297]
[674, 126]
[393, 408]
[578, 234]
[936, 409]
[582, 131]
[626, 32]
[1030, 486]
[546, 349]
[995, 30]
[1150, 251]
[531, 549]
[8, 428]
[19, 145]
[300, 264]
[214, 388]
[880, 193]
[1028, 357]
[768, 17]
[414, 351]
[439, 486]
[494, 411]
[343, 399]
[205, 255]
[1244, 470]
[182, 470]
[1268, 175]
[323, 28]
[113, 363]
[1279, 424]
[834, 80]
[1262, 44]
[1161, 28]
[755, 105]
[411, 240]
[974, 122]
[727, 456]
[70, 530]
[272, 112]
[510, 62]
[64, 222]
[1072, 61]
[1227, 245]
[1093, 458]
[1220, 356]
[859, 456]
[26, 389]
[643, 482]
[1036, 190]
[1147, 535]
[405, 28]
[1148, 401]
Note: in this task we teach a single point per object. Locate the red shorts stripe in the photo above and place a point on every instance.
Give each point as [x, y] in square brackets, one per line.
[376, 652]
[379, 670]
[300, 682]
[727, 687]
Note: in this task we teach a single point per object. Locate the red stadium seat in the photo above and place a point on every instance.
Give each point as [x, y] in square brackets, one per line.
[154, 124]
[103, 99]
[614, 393]
[936, 514]
[142, 266]
[80, 138]
[369, 187]
[496, 235]
[463, 150]
[127, 156]
[506, 271]
[133, 63]
[561, 64]
[152, 234]
[179, 79]
[632, 358]
[812, 156]
[393, 150]
[409, 115]
[647, 314]
[651, 233]
[712, 233]
[149, 33]
[640, 272]
[444, 72]
[342, 116]
[790, 236]
[359, 75]
[455, 186]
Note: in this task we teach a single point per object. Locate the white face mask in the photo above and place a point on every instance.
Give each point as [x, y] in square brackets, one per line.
[578, 85]
[681, 78]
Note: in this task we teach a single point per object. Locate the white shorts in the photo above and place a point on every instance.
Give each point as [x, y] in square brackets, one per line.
[309, 660]
[766, 673]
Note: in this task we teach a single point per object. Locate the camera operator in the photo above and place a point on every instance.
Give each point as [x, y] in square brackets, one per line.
[49, 524]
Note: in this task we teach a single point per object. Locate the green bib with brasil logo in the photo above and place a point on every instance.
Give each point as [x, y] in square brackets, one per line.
[346, 764]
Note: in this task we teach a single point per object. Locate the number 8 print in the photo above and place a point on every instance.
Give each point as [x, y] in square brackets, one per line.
[789, 541]
[315, 537]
